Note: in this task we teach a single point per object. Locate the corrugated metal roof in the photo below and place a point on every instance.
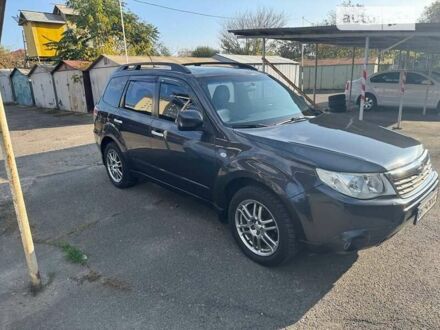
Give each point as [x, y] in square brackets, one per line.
[119, 59]
[44, 67]
[5, 72]
[21, 70]
[337, 61]
[253, 59]
[425, 37]
[63, 9]
[73, 65]
[34, 16]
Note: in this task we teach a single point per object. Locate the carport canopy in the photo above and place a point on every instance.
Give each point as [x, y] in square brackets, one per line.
[425, 37]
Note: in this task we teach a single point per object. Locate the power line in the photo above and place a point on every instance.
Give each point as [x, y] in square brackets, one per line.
[182, 10]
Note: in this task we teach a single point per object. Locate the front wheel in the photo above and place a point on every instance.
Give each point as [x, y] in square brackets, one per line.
[262, 226]
[370, 102]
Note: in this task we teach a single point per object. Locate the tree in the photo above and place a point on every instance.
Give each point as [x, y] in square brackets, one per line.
[96, 29]
[328, 51]
[431, 13]
[261, 18]
[204, 51]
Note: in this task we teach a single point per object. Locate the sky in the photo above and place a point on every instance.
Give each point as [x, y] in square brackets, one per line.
[186, 31]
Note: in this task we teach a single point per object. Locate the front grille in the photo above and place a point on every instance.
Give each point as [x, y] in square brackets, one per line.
[414, 178]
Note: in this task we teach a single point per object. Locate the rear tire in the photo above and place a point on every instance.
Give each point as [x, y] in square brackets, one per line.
[117, 167]
[266, 242]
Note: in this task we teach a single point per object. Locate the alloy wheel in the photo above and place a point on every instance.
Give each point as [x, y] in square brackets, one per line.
[114, 165]
[369, 103]
[257, 227]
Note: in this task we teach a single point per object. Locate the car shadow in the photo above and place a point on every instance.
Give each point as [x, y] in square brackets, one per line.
[177, 263]
[387, 116]
[189, 264]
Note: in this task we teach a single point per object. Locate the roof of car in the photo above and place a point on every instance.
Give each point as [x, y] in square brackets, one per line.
[212, 70]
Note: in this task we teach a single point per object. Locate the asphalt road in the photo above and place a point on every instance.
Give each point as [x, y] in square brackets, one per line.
[158, 259]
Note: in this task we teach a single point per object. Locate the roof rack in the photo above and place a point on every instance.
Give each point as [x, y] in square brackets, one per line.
[154, 65]
[238, 65]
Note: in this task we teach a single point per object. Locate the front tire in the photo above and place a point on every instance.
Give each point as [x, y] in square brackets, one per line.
[262, 227]
[370, 102]
[117, 167]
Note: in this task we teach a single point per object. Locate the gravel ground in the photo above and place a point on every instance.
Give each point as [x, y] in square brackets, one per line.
[157, 259]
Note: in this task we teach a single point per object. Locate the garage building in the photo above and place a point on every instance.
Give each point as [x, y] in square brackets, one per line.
[102, 68]
[6, 86]
[21, 87]
[43, 87]
[72, 85]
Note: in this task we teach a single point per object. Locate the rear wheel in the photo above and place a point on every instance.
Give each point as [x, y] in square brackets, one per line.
[117, 167]
[262, 226]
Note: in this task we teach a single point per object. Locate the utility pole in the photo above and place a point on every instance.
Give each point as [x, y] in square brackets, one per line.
[123, 31]
[18, 200]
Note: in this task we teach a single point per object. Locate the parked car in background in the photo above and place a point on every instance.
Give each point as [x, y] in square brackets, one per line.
[383, 89]
[282, 173]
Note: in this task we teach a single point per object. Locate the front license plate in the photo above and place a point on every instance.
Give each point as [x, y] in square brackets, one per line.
[426, 205]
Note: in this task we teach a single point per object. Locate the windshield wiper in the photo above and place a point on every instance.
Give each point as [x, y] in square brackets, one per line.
[292, 120]
[248, 126]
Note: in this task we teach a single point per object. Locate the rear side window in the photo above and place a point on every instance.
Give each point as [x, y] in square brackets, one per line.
[416, 79]
[139, 96]
[386, 78]
[173, 99]
[113, 92]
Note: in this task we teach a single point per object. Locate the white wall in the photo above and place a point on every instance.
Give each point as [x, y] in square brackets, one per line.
[70, 90]
[291, 71]
[42, 86]
[98, 79]
[332, 77]
[6, 87]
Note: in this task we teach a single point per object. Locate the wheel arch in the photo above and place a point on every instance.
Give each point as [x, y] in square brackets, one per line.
[241, 180]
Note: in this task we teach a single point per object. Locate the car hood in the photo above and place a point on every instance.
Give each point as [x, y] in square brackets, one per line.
[338, 142]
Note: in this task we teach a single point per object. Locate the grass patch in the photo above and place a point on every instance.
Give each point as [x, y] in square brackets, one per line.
[73, 254]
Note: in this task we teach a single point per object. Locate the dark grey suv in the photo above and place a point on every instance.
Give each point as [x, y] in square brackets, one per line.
[282, 174]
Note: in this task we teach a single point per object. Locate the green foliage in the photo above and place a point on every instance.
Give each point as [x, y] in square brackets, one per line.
[73, 254]
[431, 13]
[204, 51]
[96, 29]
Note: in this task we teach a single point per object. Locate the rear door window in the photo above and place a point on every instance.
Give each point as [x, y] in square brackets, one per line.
[139, 96]
[416, 79]
[113, 92]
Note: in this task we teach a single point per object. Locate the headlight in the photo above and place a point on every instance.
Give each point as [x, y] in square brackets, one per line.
[357, 185]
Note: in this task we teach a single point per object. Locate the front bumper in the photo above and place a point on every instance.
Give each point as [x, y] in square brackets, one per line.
[332, 221]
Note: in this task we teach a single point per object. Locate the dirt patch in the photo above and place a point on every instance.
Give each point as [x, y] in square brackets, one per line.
[8, 222]
[115, 283]
[110, 282]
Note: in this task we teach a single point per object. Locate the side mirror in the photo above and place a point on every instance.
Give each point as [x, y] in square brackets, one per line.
[189, 120]
[426, 82]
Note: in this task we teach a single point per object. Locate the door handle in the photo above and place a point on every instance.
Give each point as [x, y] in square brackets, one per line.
[117, 121]
[156, 133]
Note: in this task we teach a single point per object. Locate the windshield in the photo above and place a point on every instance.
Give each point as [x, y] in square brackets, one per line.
[252, 100]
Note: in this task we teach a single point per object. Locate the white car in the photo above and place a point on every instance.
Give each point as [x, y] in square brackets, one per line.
[383, 89]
